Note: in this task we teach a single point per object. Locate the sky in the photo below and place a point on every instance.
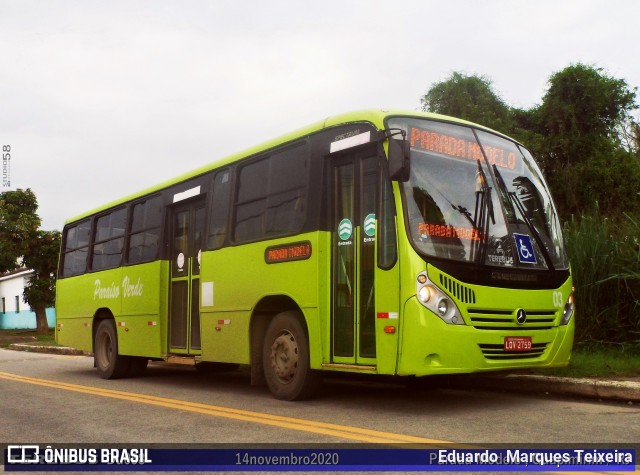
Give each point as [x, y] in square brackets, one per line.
[100, 99]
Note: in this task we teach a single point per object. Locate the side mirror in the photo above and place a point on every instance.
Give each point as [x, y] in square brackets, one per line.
[399, 162]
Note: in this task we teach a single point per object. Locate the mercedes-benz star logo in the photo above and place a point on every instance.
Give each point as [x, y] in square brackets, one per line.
[521, 316]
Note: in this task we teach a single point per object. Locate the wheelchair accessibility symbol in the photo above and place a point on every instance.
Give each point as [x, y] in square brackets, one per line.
[525, 249]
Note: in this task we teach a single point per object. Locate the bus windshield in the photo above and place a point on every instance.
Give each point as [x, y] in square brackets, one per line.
[477, 197]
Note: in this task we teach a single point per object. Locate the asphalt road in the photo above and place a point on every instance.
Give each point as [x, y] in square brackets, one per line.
[60, 399]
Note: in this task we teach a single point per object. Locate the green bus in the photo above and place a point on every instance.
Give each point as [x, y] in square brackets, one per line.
[380, 242]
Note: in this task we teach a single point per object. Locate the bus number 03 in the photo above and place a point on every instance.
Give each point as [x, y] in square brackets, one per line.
[557, 299]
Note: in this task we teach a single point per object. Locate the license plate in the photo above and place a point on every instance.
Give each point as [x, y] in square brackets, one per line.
[517, 343]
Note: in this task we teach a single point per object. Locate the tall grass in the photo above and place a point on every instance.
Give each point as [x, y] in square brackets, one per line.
[605, 262]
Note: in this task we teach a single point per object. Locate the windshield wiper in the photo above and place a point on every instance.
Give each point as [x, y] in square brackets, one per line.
[483, 213]
[515, 200]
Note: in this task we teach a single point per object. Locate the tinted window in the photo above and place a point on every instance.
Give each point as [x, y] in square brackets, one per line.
[386, 232]
[78, 236]
[76, 249]
[107, 254]
[147, 214]
[145, 230]
[272, 195]
[109, 240]
[253, 181]
[111, 225]
[220, 209]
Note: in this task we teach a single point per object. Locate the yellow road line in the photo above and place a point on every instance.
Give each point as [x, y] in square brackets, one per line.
[324, 428]
[333, 430]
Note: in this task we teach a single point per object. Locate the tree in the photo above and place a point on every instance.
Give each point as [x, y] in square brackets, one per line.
[583, 134]
[18, 224]
[23, 244]
[586, 153]
[582, 109]
[42, 257]
[468, 97]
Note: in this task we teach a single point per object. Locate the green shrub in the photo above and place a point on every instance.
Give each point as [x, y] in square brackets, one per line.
[605, 262]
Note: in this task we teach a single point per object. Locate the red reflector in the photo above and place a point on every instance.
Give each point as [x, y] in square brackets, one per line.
[390, 329]
[383, 314]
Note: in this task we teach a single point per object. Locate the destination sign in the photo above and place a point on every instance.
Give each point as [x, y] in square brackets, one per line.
[297, 251]
[461, 149]
[445, 231]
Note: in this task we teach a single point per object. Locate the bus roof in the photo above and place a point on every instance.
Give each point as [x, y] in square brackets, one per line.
[374, 116]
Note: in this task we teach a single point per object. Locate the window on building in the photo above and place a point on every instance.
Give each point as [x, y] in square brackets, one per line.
[17, 304]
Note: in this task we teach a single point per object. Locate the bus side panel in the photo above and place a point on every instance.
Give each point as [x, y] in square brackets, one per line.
[143, 321]
[225, 336]
[387, 321]
[73, 314]
[231, 289]
[77, 301]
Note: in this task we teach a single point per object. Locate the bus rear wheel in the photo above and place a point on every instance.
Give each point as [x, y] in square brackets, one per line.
[109, 363]
[285, 359]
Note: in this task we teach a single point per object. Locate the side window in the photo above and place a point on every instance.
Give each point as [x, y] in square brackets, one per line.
[76, 248]
[219, 209]
[108, 240]
[286, 204]
[252, 200]
[272, 195]
[387, 244]
[144, 237]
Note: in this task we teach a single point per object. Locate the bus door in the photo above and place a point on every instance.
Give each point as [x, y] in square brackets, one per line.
[187, 237]
[353, 317]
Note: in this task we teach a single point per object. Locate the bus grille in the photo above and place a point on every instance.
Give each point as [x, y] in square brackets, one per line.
[459, 291]
[483, 319]
[496, 352]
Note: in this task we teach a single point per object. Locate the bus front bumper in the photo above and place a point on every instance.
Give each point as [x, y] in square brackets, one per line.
[430, 346]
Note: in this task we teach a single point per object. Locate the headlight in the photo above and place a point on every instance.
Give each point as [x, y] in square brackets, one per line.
[443, 307]
[424, 293]
[437, 301]
[568, 310]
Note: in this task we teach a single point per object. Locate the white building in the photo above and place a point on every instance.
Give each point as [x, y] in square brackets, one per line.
[14, 312]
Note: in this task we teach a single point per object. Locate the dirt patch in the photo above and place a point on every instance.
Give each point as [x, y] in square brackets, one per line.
[8, 337]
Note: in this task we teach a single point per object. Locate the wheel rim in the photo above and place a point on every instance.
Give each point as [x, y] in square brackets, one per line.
[284, 357]
[104, 350]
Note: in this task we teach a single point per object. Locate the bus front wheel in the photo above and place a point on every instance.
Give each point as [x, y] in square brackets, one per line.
[109, 363]
[286, 359]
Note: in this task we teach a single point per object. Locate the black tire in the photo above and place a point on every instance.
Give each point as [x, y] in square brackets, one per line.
[138, 366]
[109, 363]
[285, 358]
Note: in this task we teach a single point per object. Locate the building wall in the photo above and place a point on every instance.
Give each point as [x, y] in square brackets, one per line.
[12, 286]
[15, 313]
[25, 320]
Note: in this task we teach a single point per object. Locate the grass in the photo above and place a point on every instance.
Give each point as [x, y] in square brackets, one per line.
[605, 262]
[599, 361]
[30, 337]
